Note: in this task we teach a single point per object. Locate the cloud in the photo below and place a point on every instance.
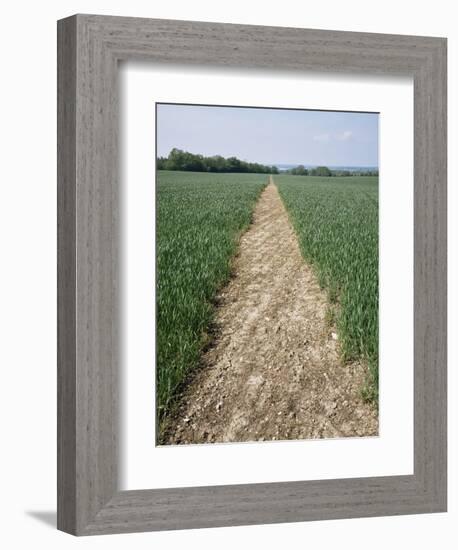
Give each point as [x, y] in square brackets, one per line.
[342, 136]
[345, 136]
[322, 137]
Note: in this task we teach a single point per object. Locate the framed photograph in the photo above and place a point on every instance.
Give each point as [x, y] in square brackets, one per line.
[289, 349]
[251, 274]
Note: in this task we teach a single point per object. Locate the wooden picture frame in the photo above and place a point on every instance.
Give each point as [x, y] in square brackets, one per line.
[89, 49]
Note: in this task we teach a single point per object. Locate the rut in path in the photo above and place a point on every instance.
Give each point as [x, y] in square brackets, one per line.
[273, 371]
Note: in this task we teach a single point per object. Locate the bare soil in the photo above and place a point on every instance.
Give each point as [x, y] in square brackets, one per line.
[273, 370]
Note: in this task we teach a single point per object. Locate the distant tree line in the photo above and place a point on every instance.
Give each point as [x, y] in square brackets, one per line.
[325, 171]
[182, 160]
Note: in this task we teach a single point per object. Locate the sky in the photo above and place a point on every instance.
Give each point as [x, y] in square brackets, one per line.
[270, 136]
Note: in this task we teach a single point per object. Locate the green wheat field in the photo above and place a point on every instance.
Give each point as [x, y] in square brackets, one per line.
[201, 217]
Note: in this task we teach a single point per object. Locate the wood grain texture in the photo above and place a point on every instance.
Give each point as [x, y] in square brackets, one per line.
[66, 275]
[90, 48]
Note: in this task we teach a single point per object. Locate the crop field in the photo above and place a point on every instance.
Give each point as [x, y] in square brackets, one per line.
[200, 217]
[336, 220]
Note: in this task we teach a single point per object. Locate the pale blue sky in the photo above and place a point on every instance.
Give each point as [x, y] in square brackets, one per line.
[270, 136]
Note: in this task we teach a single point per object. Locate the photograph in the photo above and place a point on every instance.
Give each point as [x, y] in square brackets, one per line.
[266, 274]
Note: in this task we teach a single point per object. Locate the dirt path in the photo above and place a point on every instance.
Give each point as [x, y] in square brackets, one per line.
[273, 371]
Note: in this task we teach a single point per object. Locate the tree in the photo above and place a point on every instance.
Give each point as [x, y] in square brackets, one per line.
[183, 160]
[161, 163]
[321, 171]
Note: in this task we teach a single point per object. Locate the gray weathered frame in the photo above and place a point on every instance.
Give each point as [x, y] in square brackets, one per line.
[89, 48]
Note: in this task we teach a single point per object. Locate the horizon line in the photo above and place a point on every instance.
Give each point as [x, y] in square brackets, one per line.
[281, 163]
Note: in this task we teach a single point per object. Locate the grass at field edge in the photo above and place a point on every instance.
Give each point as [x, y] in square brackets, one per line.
[343, 307]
